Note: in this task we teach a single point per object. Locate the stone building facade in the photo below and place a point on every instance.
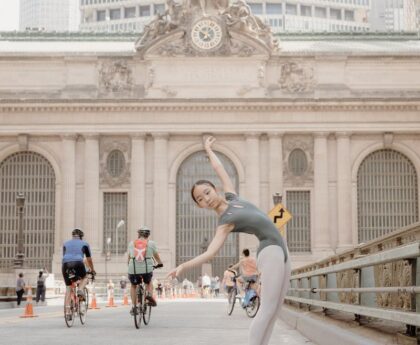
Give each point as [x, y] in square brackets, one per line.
[331, 123]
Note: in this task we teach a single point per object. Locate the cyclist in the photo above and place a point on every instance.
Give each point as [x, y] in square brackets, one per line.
[141, 253]
[248, 268]
[74, 251]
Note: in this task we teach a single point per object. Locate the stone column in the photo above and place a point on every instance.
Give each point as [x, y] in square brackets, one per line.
[275, 165]
[345, 236]
[138, 183]
[160, 190]
[91, 191]
[320, 235]
[68, 204]
[252, 179]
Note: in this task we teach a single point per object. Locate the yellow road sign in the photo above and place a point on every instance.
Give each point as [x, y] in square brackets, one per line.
[280, 216]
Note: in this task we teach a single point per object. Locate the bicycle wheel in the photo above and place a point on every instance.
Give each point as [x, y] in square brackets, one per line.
[231, 301]
[83, 307]
[138, 310]
[147, 310]
[253, 306]
[69, 314]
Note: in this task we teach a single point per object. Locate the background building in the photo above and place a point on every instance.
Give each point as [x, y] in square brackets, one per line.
[303, 15]
[49, 15]
[393, 15]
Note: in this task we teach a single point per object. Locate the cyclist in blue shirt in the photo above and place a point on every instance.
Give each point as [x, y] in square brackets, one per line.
[74, 251]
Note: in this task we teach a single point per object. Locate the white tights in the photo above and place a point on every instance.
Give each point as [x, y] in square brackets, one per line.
[275, 276]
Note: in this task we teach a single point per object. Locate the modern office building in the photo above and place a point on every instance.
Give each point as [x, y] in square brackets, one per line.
[49, 15]
[290, 15]
[393, 15]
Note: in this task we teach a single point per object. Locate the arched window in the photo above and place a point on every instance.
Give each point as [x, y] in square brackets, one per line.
[31, 174]
[193, 224]
[387, 197]
[298, 163]
[115, 163]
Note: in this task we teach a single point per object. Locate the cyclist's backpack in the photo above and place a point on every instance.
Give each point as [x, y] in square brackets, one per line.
[140, 249]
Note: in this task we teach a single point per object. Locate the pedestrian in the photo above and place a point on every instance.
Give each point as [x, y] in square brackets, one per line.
[40, 285]
[238, 215]
[228, 277]
[20, 288]
[216, 286]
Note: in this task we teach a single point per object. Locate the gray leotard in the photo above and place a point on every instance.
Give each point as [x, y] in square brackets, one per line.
[251, 220]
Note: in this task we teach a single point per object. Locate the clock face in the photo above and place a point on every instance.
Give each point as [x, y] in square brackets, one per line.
[206, 34]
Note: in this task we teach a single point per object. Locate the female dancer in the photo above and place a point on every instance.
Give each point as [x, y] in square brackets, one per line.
[238, 215]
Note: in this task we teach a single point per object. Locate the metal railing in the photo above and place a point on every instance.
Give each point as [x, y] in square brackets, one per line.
[379, 279]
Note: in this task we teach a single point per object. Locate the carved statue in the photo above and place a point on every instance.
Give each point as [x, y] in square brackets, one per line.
[205, 6]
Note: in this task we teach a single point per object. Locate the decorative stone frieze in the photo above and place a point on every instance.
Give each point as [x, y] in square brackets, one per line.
[107, 146]
[396, 273]
[304, 143]
[348, 279]
[296, 78]
[182, 105]
[115, 77]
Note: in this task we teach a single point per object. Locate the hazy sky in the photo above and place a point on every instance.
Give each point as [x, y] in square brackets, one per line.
[9, 15]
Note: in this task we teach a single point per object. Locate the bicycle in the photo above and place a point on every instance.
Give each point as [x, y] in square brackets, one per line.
[251, 301]
[77, 306]
[142, 309]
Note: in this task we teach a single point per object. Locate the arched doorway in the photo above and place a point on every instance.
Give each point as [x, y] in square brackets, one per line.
[387, 194]
[193, 224]
[31, 174]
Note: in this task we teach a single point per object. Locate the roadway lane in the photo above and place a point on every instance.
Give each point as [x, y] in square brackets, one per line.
[178, 322]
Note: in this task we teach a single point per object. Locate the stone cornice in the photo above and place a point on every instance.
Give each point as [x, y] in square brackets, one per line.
[218, 105]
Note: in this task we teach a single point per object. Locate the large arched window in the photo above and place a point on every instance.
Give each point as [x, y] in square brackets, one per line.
[194, 225]
[31, 174]
[387, 197]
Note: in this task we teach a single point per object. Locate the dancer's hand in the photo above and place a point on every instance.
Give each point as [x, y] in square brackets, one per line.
[176, 272]
[209, 142]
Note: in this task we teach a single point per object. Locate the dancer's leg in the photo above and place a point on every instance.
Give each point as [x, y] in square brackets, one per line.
[272, 268]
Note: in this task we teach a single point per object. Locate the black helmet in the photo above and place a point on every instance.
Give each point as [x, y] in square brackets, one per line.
[144, 231]
[77, 232]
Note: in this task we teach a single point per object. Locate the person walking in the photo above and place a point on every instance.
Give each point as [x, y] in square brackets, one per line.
[238, 215]
[40, 285]
[20, 288]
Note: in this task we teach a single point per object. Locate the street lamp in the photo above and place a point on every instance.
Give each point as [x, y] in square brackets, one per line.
[277, 198]
[107, 257]
[119, 225]
[20, 255]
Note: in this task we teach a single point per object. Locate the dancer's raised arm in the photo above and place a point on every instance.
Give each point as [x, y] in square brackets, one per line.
[218, 166]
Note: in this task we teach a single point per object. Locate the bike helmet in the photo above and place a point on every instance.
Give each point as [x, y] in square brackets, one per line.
[77, 232]
[144, 231]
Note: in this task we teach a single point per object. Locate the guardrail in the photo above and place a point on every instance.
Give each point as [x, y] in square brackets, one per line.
[379, 279]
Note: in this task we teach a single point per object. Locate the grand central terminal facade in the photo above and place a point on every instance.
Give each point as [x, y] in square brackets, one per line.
[96, 129]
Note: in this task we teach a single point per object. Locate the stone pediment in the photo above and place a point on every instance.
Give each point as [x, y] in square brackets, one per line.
[206, 28]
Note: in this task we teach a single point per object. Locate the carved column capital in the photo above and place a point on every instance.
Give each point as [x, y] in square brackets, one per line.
[69, 136]
[321, 135]
[91, 136]
[160, 135]
[252, 135]
[343, 134]
[138, 135]
[275, 135]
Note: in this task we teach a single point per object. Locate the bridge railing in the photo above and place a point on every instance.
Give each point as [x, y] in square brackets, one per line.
[379, 279]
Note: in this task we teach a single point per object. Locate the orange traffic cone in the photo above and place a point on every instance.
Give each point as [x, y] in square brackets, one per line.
[93, 304]
[29, 310]
[125, 298]
[111, 301]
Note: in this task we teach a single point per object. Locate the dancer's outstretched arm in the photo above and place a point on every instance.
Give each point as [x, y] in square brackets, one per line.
[218, 166]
